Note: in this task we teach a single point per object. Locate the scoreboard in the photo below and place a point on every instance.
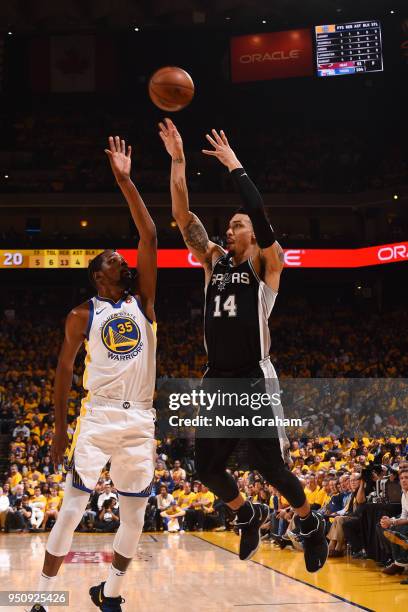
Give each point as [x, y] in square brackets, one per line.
[47, 258]
[348, 48]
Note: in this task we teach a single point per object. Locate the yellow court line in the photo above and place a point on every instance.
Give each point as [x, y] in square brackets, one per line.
[359, 583]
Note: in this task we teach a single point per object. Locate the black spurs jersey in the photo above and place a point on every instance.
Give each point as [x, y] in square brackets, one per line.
[237, 308]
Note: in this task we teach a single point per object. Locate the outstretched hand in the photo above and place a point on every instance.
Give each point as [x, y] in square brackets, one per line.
[222, 150]
[171, 139]
[119, 158]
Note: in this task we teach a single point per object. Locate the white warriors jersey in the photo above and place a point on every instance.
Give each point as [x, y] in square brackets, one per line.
[120, 344]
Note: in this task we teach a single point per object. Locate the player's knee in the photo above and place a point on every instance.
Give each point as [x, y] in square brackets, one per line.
[70, 517]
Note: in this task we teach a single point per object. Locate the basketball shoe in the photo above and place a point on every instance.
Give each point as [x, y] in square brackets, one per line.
[106, 604]
[315, 545]
[249, 520]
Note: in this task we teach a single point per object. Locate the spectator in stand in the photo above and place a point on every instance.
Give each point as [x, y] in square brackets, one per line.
[326, 494]
[399, 525]
[16, 494]
[337, 543]
[160, 469]
[352, 525]
[201, 508]
[21, 430]
[167, 481]
[185, 501]
[52, 506]
[171, 516]
[4, 508]
[314, 494]
[108, 493]
[37, 503]
[92, 510]
[163, 501]
[177, 473]
[18, 516]
[178, 489]
[15, 476]
[340, 499]
[108, 519]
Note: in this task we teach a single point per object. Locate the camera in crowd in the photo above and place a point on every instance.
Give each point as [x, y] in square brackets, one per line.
[386, 483]
[373, 469]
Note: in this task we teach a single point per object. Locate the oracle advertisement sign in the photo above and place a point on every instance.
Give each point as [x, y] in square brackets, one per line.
[274, 55]
[294, 258]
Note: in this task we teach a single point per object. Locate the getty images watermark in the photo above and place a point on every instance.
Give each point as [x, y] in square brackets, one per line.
[223, 402]
[252, 408]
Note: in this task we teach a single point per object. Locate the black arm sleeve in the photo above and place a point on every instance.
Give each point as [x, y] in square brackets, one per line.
[254, 207]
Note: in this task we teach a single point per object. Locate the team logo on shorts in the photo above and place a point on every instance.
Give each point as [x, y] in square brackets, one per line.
[121, 335]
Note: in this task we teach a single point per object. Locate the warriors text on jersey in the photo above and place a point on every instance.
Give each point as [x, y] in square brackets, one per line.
[237, 308]
[121, 351]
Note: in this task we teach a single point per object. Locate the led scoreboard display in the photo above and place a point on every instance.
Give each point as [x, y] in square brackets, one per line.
[47, 258]
[348, 48]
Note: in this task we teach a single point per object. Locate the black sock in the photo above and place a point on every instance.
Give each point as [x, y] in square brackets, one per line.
[245, 513]
[308, 523]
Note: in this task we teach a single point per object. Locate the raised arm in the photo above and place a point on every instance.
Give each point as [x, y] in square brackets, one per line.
[75, 330]
[193, 231]
[120, 161]
[270, 257]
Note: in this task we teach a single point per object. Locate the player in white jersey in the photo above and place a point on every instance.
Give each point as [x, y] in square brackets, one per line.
[116, 422]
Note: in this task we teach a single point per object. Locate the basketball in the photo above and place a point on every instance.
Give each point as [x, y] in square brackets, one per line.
[171, 88]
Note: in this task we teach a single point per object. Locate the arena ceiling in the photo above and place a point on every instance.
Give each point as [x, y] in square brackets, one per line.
[51, 15]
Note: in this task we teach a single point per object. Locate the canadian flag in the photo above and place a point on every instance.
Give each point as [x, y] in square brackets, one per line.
[72, 63]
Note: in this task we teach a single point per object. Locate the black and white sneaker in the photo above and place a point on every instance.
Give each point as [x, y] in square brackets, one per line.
[106, 604]
[315, 547]
[37, 608]
[250, 518]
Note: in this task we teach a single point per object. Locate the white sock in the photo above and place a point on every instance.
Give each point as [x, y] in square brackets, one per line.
[113, 582]
[46, 583]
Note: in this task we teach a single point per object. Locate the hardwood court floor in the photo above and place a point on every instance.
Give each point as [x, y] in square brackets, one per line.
[201, 572]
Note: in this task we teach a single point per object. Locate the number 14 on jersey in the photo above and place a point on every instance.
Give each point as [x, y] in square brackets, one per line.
[228, 305]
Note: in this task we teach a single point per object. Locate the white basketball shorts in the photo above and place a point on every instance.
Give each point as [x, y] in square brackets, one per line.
[119, 431]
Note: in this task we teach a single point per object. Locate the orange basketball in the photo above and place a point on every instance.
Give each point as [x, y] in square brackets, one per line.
[171, 88]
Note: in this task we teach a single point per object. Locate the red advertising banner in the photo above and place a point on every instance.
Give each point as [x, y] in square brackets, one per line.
[295, 258]
[69, 259]
[275, 55]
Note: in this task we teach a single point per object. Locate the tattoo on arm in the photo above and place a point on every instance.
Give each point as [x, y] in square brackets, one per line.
[195, 235]
[281, 254]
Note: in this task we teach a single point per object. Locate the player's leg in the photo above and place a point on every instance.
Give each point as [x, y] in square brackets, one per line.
[88, 455]
[266, 456]
[132, 471]
[125, 543]
[60, 538]
[211, 460]
[211, 456]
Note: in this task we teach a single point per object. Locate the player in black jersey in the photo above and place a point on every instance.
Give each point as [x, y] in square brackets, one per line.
[241, 287]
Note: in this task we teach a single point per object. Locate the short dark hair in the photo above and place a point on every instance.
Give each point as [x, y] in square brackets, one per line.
[95, 265]
[241, 211]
